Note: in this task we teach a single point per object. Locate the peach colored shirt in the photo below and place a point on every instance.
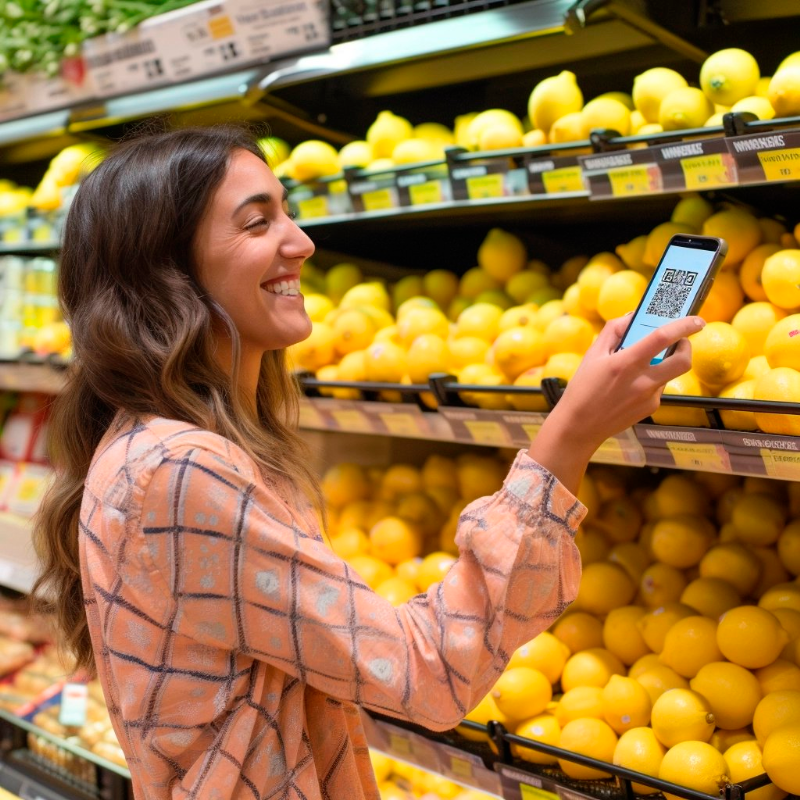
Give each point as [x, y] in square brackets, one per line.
[235, 648]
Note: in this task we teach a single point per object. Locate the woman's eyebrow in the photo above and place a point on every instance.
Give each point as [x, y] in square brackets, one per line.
[263, 198]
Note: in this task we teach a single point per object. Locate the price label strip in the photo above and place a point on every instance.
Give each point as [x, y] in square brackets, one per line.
[480, 187]
[352, 421]
[633, 181]
[781, 165]
[488, 433]
[564, 180]
[533, 793]
[403, 425]
[309, 416]
[313, 207]
[708, 171]
[700, 456]
[781, 464]
[379, 200]
[422, 194]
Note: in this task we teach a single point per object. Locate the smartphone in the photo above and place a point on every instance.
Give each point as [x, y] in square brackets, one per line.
[678, 287]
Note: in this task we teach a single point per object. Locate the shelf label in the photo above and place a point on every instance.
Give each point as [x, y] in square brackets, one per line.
[486, 432]
[628, 173]
[483, 186]
[630, 181]
[313, 207]
[460, 767]
[561, 181]
[379, 200]
[350, 420]
[74, 699]
[400, 744]
[402, 425]
[309, 416]
[781, 464]
[422, 194]
[700, 456]
[781, 165]
[532, 793]
[767, 157]
[708, 171]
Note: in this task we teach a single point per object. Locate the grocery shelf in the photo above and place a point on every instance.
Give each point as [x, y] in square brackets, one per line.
[18, 566]
[28, 248]
[32, 375]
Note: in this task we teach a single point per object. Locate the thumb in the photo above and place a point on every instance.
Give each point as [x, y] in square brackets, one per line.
[612, 333]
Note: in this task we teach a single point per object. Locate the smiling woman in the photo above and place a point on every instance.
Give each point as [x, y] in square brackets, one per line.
[181, 550]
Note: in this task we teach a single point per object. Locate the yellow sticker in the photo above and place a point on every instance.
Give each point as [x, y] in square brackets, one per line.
[780, 464]
[421, 194]
[313, 207]
[401, 424]
[700, 456]
[781, 165]
[629, 181]
[610, 452]
[351, 420]
[532, 793]
[704, 172]
[309, 416]
[460, 767]
[400, 744]
[566, 179]
[220, 27]
[487, 432]
[29, 489]
[481, 186]
[378, 200]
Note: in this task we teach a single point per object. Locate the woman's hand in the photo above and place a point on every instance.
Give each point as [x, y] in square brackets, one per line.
[610, 391]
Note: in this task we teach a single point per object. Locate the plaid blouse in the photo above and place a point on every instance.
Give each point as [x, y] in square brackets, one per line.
[235, 648]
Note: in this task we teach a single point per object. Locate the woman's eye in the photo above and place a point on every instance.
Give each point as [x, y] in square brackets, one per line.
[258, 223]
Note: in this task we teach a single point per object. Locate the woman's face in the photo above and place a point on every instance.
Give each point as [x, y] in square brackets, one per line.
[249, 254]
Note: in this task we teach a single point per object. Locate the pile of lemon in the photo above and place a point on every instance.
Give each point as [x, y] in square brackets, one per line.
[680, 658]
[398, 780]
[661, 100]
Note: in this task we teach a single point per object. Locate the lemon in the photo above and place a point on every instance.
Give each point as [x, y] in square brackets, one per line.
[681, 715]
[562, 365]
[732, 692]
[620, 293]
[427, 355]
[683, 108]
[790, 622]
[367, 294]
[571, 127]
[588, 737]
[692, 209]
[316, 351]
[651, 87]
[655, 624]
[543, 728]
[341, 278]
[755, 321]
[484, 712]
[394, 540]
[639, 750]
[405, 289]
[779, 676]
[604, 587]
[632, 253]
[690, 644]
[434, 132]
[734, 563]
[632, 557]
[517, 350]
[579, 631]
[739, 228]
[781, 384]
[784, 91]
[486, 120]
[502, 255]
[553, 98]
[344, 483]
[534, 138]
[545, 653]
[592, 545]
[720, 354]
[421, 510]
[680, 495]
[350, 542]
[372, 570]
[353, 330]
[789, 547]
[518, 316]
[780, 278]
[433, 569]
[478, 476]
[385, 362]
[724, 299]
[759, 106]
[723, 740]
[607, 113]
[751, 637]
[568, 334]
[356, 154]
[661, 584]
[681, 541]
[739, 420]
[626, 704]
[694, 765]
[591, 279]
[728, 76]
[500, 137]
[752, 268]
[660, 679]
[621, 635]
[400, 479]
[467, 350]
[781, 756]
[522, 692]
[387, 132]
[317, 306]
[314, 159]
[658, 239]
[382, 765]
[441, 286]
[481, 320]
[578, 703]
[416, 151]
[644, 664]
[711, 597]
[396, 590]
[776, 710]
[782, 345]
[744, 760]
[758, 518]
[781, 595]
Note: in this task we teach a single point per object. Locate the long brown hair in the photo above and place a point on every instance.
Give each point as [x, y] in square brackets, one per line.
[143, 340]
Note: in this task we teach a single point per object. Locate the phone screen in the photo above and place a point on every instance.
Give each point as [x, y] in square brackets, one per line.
[675, 284]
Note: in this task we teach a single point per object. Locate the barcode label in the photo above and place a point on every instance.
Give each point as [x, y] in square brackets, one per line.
[122, 53]
[672, 293]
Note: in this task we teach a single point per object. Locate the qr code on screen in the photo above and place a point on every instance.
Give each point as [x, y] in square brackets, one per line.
[671, 293]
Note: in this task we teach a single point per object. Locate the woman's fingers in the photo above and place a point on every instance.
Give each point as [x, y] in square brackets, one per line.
[645, 350]
[678, 363]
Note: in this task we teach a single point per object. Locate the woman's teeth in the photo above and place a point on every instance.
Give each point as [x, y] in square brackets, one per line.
[287, 288]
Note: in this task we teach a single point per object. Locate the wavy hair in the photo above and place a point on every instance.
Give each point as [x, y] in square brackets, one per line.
[143, 339]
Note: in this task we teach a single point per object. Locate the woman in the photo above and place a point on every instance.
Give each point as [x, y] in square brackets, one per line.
[180, 545]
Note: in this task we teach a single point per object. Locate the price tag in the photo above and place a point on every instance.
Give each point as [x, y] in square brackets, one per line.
[460, 767]
[532, 793]
[220, 27]
[400, 744]
[423, 193]
[610, 452]
[700, 456]
[378, 200]
[401, 424]
[481, 186]
[486, 432]
[310, 417]
[532, 429]
[704, 172]
[781, 464]
[74, 697]
[566, 179]
[313, 207]
[29, 489]
[781, 165]
[351, 420]
[630, 181]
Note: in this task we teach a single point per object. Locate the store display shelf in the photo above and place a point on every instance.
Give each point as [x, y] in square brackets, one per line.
[28, 248]
[32, 374]
[18, 566]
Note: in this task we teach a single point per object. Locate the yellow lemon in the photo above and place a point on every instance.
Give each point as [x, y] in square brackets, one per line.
[416, 151]
[711, 597]
[502, 255]
[478, 476]
[720, 354]
[684, 108]
[314, 159]
[759, 106]
[522, 285]
[734, 563]
[475, 281]
[534, 138]
[781, 756]
[578, 703]
[394, 540]
[781, 384]
[654, 625]
[651, 87]
[387, 132]
[588, 737]
[632, 253]
[789, 619]
[396, 590]
[690, 644]
[680, 494]
[751, 637]
[632, 557]
[385, 362]
[607, 113]
[382, 765]
[729, 75]
[789, 547]
[522, 692]
[434, 132]
[317, 307]
[467, 350]
[681, 715]
[660, 679]
[782, 344]
[626, 704]
[784, 91]
[759, 518]
[422, 511]
[782, 595]
[780, 278]
[528, 402]
[480, 320]
[755, 321]
[568, 334]
[400, 479]
[694, 765]
[517, 350]
[545, 653]
[552, 98]
[681, 541]
[621, 635]
[639, 750]
[724, 299]
[356, 154]
[579, 631]
[350, 542]
[643, 664]
[779, 676]
[658, 239]
[661, 584]
[620, 293]
[732, 692]
[441, 286]
[493, 118]
[433, 569]
[500, 137]
[750, 275]
[316, 351]
[592, 545]
[776, 710]
[543, 728]
[484, 712]
[744, 760]
[723, 740]
[592, 667]
[344, 483]
[692, 209]
[604, 587]
[590, 282]
[419, 321]
[367, 294]
[739, 228]
[372, 570]
[571, 127]
[428, 354]
[353, 330]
